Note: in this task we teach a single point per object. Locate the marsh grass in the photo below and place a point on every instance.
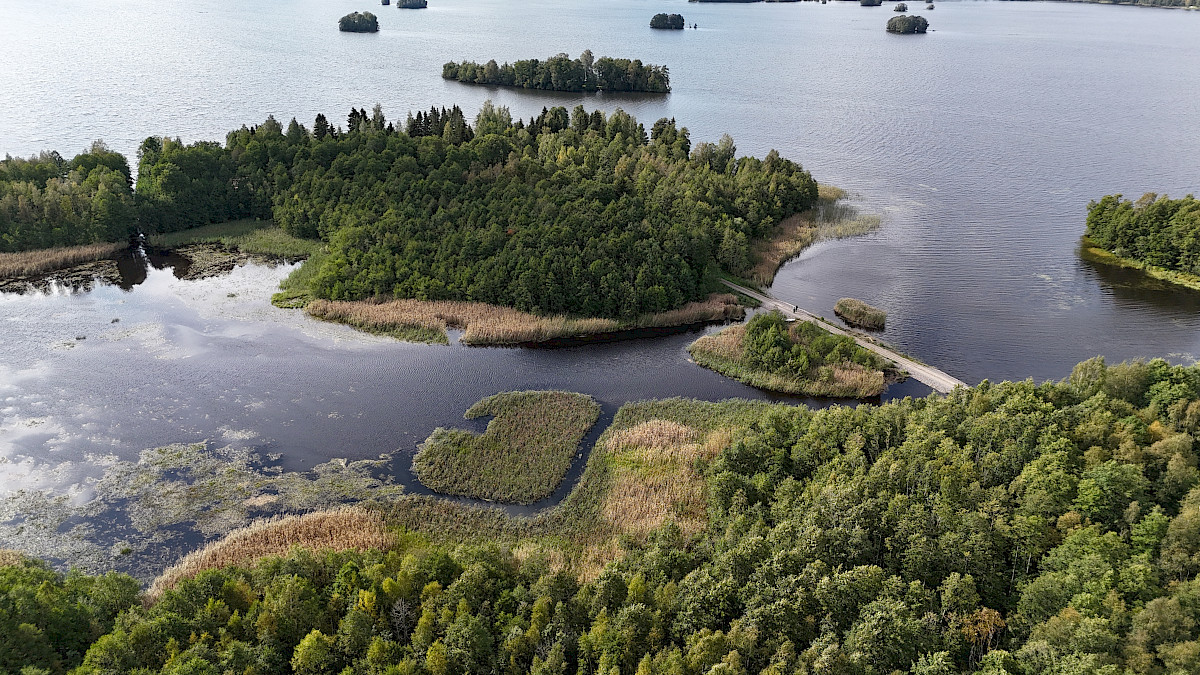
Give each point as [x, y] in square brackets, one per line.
[42, 261]
[724, 353]
[1088, 250]
[521, 457]
[859, 314]
[831, 218]
[9, 558]
[258, 237]
[483, 324]
[346, 528]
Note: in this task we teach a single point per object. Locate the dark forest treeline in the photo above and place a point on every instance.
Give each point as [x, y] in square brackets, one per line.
[562, 73]
[47, 201]
[569, 212]
[1153, 230]
[1010, 529]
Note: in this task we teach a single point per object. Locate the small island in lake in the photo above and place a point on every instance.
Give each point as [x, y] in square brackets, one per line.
[412, 4]
[1155, 234]
[671, 21]
[562, 73]
[359, 22]
[870, 3]
[798, 358]
[907, 25]
[859, 314]
[900, 7]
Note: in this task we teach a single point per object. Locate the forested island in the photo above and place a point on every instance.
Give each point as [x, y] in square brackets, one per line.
[359, 22]
[412, 4]
[907, 25]
[562, 73]
[1157, 234]
[1006, 529]
[670, 21]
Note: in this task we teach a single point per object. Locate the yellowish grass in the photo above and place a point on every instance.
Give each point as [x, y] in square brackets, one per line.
[30, 263]
[484, 324]
[831, 218]
[349, 528]
[9, 557]
[727, 344]
[655, 478]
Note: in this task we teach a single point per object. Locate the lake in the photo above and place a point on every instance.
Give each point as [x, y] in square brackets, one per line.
[979, 145]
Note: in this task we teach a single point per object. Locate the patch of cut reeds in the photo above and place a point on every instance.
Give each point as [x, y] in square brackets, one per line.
[483, 324]
[830, 218]
[347, 528]
[33, 263]
[859, 314]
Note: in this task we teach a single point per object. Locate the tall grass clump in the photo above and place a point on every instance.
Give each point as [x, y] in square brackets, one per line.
[256, 237]
[802, 359]
[859, 314]
[831, 218]
[42, 261]
[347, 528]
[483, 324]
[521, 457]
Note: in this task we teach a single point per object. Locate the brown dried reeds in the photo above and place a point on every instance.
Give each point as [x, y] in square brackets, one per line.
[830, 218]
[9, 557]
[33, 263]
[347, 528]
[483, 324]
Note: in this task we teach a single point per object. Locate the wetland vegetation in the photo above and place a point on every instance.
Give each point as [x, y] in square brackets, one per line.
[798, 358]
[859, 314]
[1065, 540]
[523, 455]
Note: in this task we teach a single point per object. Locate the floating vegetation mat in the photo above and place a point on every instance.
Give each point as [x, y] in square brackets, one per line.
[141, 516]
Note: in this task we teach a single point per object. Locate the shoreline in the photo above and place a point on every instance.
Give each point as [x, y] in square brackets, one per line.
[1089, 251]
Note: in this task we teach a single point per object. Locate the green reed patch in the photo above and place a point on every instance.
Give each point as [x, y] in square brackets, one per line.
[859, 314]
[521, 457]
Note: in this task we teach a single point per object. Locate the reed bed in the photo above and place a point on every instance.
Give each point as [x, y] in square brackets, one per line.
[830, 218]
[347, 528]
[859, 314]
[42, 261]
[484, 324]
[521, 457]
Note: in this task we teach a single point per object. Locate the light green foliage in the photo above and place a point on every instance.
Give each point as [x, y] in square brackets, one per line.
[47, 201]
[248, 235]
[523, 455]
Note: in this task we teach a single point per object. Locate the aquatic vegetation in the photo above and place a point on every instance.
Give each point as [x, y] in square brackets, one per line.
[483, 324]
[802, 358]
[859, 314]
[341, 529]
[41, 261]
[831, 217]
[258, 237]
[521, 457]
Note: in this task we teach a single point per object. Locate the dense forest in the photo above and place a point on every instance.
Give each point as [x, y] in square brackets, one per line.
[668, 21]
[359, 22]
[1153, 230]
[1007, 529]
[48, 201]
[562, 73]
[568, 212]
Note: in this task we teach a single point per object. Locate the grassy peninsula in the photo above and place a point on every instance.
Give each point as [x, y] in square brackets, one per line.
[1158, 235]
[1007, 529]
[800, 358]
[523, 455]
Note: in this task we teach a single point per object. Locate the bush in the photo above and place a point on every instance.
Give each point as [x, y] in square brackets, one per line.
[359, 22]
[907, 24]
